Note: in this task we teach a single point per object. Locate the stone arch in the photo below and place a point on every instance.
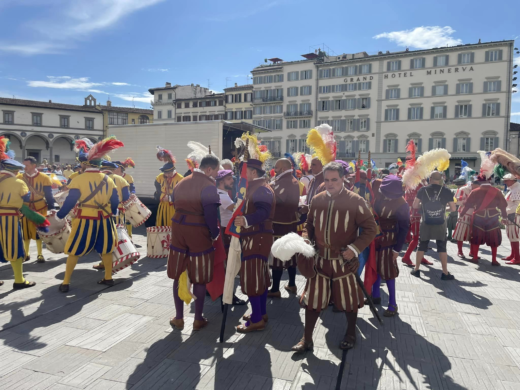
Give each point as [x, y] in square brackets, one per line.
[67, 137]
[38, 146]
[490, 133]
[10, 135]
[62, 150]
[414, 135]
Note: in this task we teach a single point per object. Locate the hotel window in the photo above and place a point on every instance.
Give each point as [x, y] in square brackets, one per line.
[416, 92]
[267, 110]
[417, 63]
[337, 105]
[461, 144]
[194, 118]
[268, 79]
[437, 143]
[492, 86]
[37, 119]
[363, 146]
[391, 145]
[351, 70]
[89, 123]
[305, 108]
[325, 89]
[351, 125]
[248, 97]
[159, 114]
[238, 98]
[337, 72]
[229, 115]
[292, 91]
[306, 74]
[302, 146]
[441, 60]
[307, 90]
[179, 105]
[463, 111]
[212, 103]
[8, 117]
[350, 87]
[393, 65]
[64, 121]
[439, 90]
[392, 114]
[351, 104]
[258, 110]
[365, 69]
[179, 118]
[169, 114]
[393, 93]
[278, 124]
[292, 146]
[349, 148]
[489, 144]
[363, 124]
[201, 118]
[278, 109]
[238, 114]
[169, 96]
[324, 105]
[415, 113]
[438, 112]
[160, 97]
[324, 73]
[292, 109]
[186, 118]
[493, 55]
[248, 114]
[466, 58]
[464, 88]
[278, 78]
[491, 109]
[194, 104]
[292, 124]
[292, 76]
[364, 103]
[229, 98]
[305, 123]
[365, 85]
[336, 125]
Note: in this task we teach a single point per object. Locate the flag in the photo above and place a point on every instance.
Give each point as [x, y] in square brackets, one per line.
[216, 286]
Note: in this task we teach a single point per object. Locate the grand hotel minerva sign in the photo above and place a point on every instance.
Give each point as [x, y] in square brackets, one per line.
[396, 75]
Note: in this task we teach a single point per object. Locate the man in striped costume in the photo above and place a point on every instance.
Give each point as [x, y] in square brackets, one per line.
[512, 229]
[333, 223]
[463, 227]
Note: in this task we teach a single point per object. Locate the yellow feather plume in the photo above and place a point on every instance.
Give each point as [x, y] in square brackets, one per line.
[315, 141]
[255, 151]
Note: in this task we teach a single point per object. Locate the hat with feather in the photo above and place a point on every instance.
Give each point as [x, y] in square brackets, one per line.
[198, 152]
[100, 150]
[487, 166]
[7, 161]
[258, 154]
[419, 169]
[322, 143]
[167, 157]
[125, 164]
[505, 162]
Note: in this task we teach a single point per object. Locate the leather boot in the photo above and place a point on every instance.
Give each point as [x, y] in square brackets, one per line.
[303, 346]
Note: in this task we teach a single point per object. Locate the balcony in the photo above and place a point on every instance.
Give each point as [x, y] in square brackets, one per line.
[294, 114]
[268, 99]
[276, 154]
[346, 154]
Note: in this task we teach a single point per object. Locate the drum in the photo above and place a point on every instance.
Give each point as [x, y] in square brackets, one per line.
[57, 236]
[60, 199]
[135, 211]
[158, 241]
[124, 253]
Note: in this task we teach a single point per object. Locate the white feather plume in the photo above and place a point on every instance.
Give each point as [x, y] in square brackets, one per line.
[239, 143]
[198, 151]
[424, 166]
[287, 246]
[487, 165]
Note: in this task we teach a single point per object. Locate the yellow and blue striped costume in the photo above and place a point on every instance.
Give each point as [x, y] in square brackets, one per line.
[13, 192]
[164, 190]
[39, 198]
[130, 181]
[92, 228]
[123, 193]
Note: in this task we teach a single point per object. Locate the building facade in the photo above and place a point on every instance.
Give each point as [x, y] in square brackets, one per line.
[113, 115]
[47, 130]
[239, 103]
[458, 98]
[208, 108]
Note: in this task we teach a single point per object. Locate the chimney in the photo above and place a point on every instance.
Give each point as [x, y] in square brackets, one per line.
[236, 85]
[109, 103]
[50, 101]
[168, 84]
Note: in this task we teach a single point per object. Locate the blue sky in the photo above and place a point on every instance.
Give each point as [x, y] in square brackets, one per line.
[65, 49]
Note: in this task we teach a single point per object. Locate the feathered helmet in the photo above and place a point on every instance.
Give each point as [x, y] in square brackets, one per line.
[418, 170]
[321, 141]
[487, 166]
[167, 157]
[99, 151]
[305, 162]
[258, 154]
[82, 146]
[198, 152]
[125, 164]
[7, 161]
[505, 162]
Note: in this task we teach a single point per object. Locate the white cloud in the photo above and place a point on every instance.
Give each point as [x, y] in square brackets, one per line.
[516, 61]
[137, 97]
[425, 37]
[70, 21]
[64, 82]
[120, 84]
[515, 114]
[156, 70]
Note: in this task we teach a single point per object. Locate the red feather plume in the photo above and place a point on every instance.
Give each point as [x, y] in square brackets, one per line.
[165, 155]
[411, 148]
[128, 163]
[103, 147]
[191, 164]
[263, 148]
[80, 145]
[304, 164]
[272, 173]
[3, 147]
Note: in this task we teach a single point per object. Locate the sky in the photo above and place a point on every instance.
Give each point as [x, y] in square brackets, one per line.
[65, 49]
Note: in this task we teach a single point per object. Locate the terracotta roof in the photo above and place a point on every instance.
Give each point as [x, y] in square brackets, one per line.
[56, 106]
[126, 109]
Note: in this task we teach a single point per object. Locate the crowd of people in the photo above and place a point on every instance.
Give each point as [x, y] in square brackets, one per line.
[355, 218]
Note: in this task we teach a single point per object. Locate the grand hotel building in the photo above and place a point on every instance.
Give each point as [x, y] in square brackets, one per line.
[458, 98]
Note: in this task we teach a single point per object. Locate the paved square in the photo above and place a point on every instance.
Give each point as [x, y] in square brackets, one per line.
[454, 335]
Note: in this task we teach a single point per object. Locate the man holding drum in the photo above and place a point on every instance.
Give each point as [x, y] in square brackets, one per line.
[41, 200]
[93, 228]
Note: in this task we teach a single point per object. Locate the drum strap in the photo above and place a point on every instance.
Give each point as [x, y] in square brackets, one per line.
[94, 193]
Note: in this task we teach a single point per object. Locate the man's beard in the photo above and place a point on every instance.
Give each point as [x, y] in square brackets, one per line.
[228, 188]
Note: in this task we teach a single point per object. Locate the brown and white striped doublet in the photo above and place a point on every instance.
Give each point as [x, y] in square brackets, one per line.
[333, 223]
[513, 200]
[462, 230]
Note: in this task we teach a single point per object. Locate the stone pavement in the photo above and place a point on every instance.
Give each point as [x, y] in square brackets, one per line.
[462, 334]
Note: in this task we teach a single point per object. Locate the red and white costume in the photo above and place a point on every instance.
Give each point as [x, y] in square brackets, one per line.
[513, 200]
[463, 229]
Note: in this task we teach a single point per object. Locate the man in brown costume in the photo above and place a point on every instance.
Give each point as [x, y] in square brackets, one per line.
[256, 239]
[194, 228]
[286, 218]
[333, 223]
[317, 171]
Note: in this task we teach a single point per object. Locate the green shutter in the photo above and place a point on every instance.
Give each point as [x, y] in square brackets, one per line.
[455, 144]
[487, 56]
[457, 108]
[498, 109]
[385, 145]
[430, 143]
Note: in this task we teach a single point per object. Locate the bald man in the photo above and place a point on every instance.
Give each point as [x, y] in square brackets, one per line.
[317, 180]
[286, 218]
[433, 199]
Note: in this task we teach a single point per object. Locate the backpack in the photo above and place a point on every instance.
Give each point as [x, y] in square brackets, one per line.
[433, 210]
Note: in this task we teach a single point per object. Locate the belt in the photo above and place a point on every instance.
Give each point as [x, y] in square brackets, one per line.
[189, 213]
[15, 209]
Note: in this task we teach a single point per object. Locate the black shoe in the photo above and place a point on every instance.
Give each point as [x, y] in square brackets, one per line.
[40, 259]
[238, 302]
[107, 282]
[26, 284]
[64, 288]
[416, 273]
[447, 277]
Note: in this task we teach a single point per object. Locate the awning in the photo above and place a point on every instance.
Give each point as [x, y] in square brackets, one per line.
[463, 158]
[245, 127]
